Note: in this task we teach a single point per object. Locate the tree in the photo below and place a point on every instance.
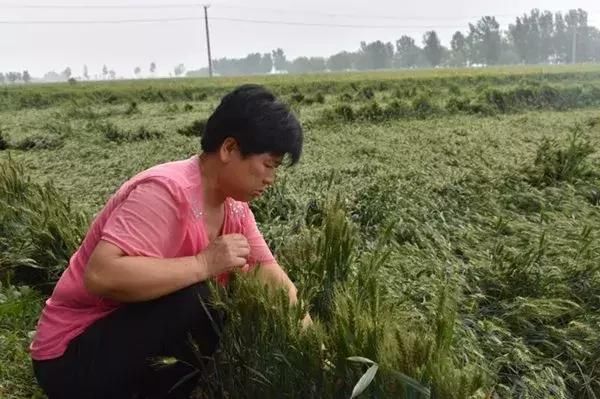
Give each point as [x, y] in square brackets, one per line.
[251, 64]
[104, 71]
[577, 26]
[518, 35]
[458, 44]
[152, 67]
[307, 65]
[375, 55]
[407, 53]
[508, 55]
[179, 70]
[560, 39]
[432, 49]
[532, 36]
[86, 74]
[26, 76]
[485, 41]
[341, 61]
[279, 60]
[594, 50]
[52, 76]
[546, 29]
[137, 71]
[67, 73]
[12, 77]
[113, 74]
[2, 78]
[266, 64]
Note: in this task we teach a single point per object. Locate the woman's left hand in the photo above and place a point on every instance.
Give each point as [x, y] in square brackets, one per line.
[306, 321]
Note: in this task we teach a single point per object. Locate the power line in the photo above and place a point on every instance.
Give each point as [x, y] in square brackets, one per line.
[239, 20]
[106, 21]
[241, 7]
[97, 6]
[272, 22]
[362, 16]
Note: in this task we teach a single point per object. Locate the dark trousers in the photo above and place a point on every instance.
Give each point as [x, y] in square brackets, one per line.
[114, 358]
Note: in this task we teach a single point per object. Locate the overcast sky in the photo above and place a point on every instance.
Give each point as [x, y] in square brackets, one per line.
[43, 47]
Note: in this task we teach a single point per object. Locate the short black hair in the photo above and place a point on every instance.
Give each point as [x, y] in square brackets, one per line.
[258, 121]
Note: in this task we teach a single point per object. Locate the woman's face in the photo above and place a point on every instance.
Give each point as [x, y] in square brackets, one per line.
[246, 178]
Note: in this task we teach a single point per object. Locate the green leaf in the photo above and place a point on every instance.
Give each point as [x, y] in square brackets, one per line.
[413, 384]
[361, 360]
[365, 380]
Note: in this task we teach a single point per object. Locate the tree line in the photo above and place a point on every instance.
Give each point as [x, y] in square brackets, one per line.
[540, 37]
[67, 74]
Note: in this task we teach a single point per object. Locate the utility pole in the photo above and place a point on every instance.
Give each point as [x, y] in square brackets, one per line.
[574, 55]
[210, 71]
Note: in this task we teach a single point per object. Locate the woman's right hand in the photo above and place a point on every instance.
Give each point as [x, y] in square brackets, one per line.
[224, 254]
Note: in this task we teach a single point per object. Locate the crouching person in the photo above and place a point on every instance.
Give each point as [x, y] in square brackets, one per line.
[136, 288]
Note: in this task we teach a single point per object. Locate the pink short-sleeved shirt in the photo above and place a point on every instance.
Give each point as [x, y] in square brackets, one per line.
[157, 213]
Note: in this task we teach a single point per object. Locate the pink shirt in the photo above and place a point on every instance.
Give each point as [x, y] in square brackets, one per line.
[156, 213]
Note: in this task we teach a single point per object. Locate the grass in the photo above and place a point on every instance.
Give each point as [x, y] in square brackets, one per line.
[442, 224]
[18, 308]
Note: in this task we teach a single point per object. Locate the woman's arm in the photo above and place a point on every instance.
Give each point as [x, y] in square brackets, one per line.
[273, 275]
[112, 274]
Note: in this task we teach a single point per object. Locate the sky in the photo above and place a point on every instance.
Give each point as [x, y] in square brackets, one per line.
[78, 34]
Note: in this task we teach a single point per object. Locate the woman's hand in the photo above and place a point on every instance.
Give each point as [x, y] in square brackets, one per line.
[306, 321]
[224, 254]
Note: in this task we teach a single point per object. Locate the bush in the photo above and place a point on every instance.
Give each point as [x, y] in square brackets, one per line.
[422, 107]
[555, 162]
[344, 113]
[143, 133]
[365, 93]
[3, 142]
[265, 353]
[132, 108]
[39, 142]
[59, 126]
[397, 110]
[458, 104]
[593, 196]
[39, 230]
[319, 98]
[297, 98]
[171, 108]
[20, 308]
[375, 203]
[496, 99]
[345, 97]
[371, 112]
[196, 129]
[454, 90]
[111, 132]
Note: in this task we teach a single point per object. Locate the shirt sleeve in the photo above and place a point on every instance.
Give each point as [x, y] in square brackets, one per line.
[259, 250]
[146, 223]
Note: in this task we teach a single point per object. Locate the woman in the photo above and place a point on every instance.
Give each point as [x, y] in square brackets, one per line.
[131, 291]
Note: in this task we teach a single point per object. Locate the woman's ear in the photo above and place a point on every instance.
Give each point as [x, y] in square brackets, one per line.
[228, 150]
